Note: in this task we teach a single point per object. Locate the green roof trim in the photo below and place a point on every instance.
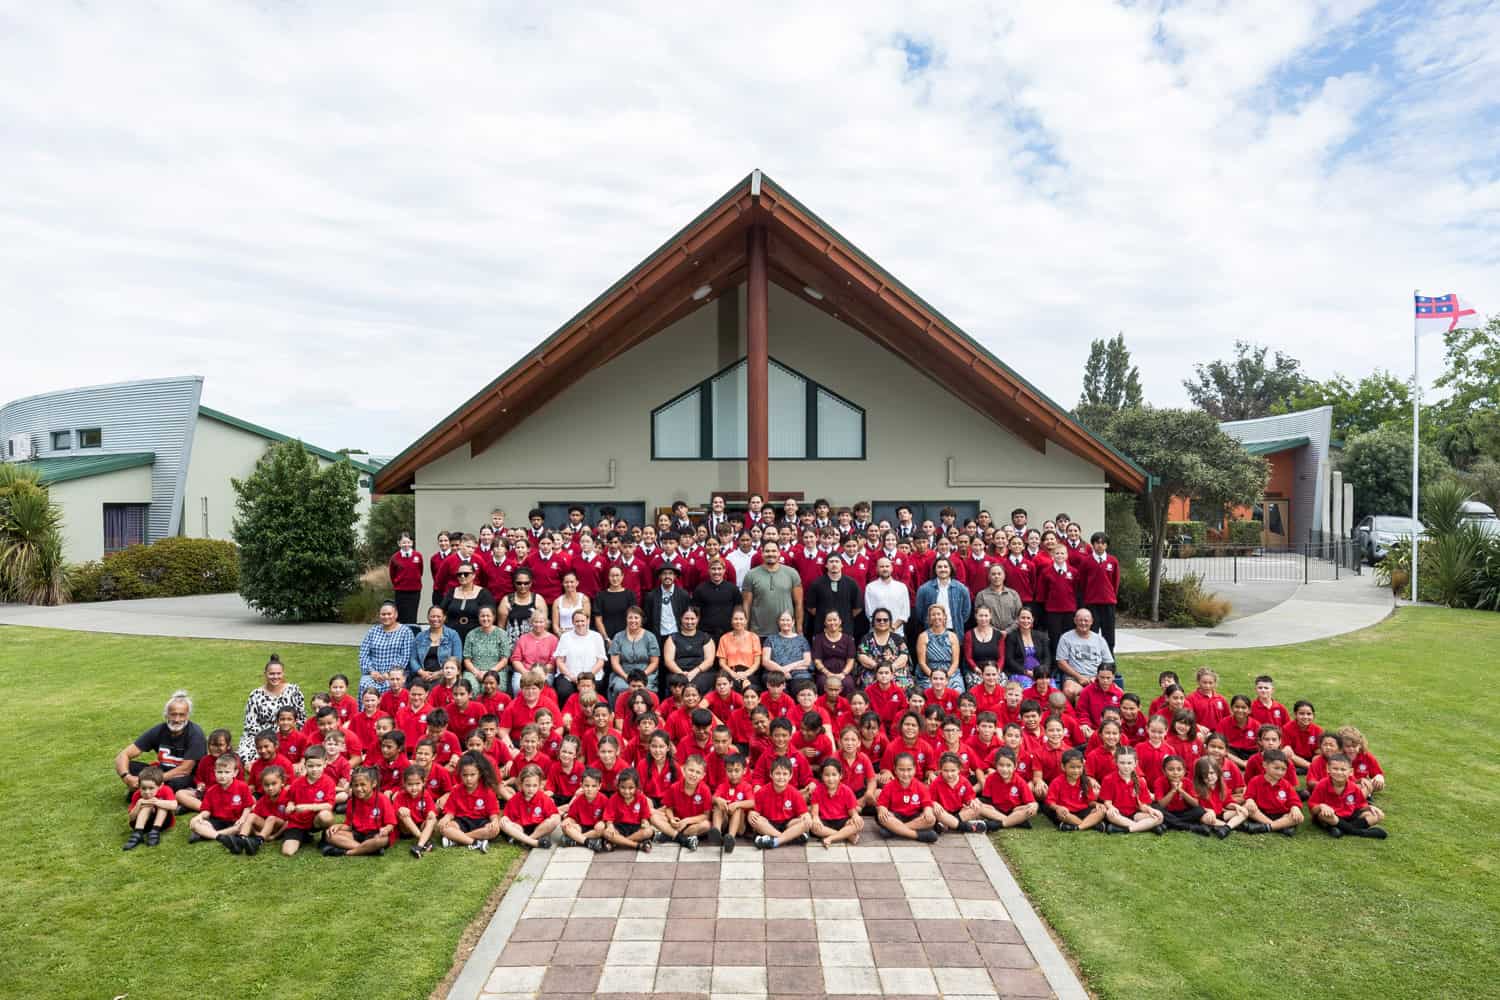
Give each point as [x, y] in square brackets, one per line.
[270, 435]
[62, 469]
[1274, 445]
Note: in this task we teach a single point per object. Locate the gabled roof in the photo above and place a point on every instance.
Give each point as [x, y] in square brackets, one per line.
[808, 258]
[270, 435]
[1275, 445]
[62, 469]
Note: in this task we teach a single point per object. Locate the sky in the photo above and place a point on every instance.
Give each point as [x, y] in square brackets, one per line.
[351, 217]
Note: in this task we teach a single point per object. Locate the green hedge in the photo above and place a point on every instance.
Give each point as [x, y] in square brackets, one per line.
[1244, 535]
[1197, 531]
[172, 567]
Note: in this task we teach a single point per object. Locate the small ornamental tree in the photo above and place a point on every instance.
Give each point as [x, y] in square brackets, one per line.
[389, 516]
[1187, 456]
[295, 527]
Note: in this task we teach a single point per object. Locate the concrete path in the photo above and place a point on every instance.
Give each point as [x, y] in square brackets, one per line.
[878, 919]
[1296, 613]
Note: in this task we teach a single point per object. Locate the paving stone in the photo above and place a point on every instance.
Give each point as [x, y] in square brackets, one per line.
[687, 953]
[855, 953]
[640, 929]
[830, 869]
[828, 855]
[880, 890]
[1021, 982]
[705, 889]
[836, 909]
[777, 868]
[993, 931]
[580, 953]
[516, 979]
[558, 888]
[562, 868]
[892, 930]
[982, 909]
[613, 859]
[926, 888]
[739, 952]
[527, 953]
[698, 873]
[548, 929]
[644, 908]
[606, 907]
[884, 909]
[688, 929]
[963, 980]
[792, 953]
[874, 871]
[952, 953]
[571, 979]
[683, 978]
[940, 930]
[788, 888]
[789, 980]
[627, 979]
[741, 888]
[742, 908]
[895, 954]
[633, 953]
[916, 980]
[738, 979]
[1006, 956]
[790, 930]
[972, 890]
[918, 870]
[833, 888]
[869, 852]
[680, 906]
[651, 888]
[589, 929]
[841, 930]
[598, 888]
[953, 851]
[739, 929]
[851, 982]
[542, 908]
[933, 909]
[957, 871]
[788, 909]
[660, 854]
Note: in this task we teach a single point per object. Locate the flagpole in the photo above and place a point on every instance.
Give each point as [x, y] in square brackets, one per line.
[1416, 416]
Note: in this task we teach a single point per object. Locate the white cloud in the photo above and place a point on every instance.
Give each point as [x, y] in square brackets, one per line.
[351, 218]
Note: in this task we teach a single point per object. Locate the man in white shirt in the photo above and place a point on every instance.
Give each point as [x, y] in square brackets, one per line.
[889, 593]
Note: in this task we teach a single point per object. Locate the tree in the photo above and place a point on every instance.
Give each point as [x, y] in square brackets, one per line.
[1468, 421]
[1187, 456]
[389, 516]
[32, 570]
[1378, 465]
[1245, 388]
[1378, 398]
[1110, 383]
[295, 530]
[1483, 480]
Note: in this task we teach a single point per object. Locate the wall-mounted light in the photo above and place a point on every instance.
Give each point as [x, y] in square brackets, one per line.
[812, 293]
[701, 292]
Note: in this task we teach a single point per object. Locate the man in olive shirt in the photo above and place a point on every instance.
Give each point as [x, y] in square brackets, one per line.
[1003, 602]
[769, 589]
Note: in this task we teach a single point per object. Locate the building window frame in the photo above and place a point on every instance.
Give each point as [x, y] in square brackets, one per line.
[813, 388]
[62, 440]
[90, 437]
[125, 524]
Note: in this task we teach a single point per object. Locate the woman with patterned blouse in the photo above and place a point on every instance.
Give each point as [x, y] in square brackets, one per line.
[384, 654]
[488, 647]
[274, 694]
[880, 645]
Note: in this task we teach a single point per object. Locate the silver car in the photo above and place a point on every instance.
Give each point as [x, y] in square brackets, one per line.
[1378, 532]
[1482, 515]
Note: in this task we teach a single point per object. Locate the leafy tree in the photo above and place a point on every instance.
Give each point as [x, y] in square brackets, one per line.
[1378, 465]
[1378, 398]
[295, 530]
[1483, 480]
[389, 516]
[1468, 421]
[1110, 383]
[1188, 456]
[32, 569]
[1246, 387]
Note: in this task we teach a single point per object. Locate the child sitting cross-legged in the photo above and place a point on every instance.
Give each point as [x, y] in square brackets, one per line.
[780, 813]
[369, 825]
[530, 815]
[1338, 803]
[153, 808]
[905, 805]
[225, 806]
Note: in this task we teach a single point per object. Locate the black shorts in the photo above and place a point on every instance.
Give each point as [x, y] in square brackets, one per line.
[297, 834]
[627, 829]
[217, 823]
[836, 824]
[906, 817]
[526, 828]
[1002, 810]
[1273, 817]
[468, 824]
[561, 800]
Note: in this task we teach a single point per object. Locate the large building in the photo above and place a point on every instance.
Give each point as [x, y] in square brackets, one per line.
[136, 462]
[757, 350]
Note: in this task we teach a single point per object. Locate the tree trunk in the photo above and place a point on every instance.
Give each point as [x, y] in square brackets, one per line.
[1158, 531]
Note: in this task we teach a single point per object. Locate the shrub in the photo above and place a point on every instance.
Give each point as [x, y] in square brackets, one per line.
[295, 528]
[32, 570]
[1184, 603]
[1487, 576]
[363, 606]
[389, 516]
[1455, 561]
[1244, 536]
[172, 567]
[1187, 533]
[1121, 525]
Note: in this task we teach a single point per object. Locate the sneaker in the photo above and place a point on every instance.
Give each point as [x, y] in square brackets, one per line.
[606, 846]
[1067, 828]
[805, 838]
[690, 842]
[1333, 832]
[1025, 824]
[728, 843]
[1111, 828]
[330, 851]
[1221, 831]
[231, 843]
[714, 837]
[153, 837]
[1161, 828]
[645, 846]
[1255, 828]
[133, 841]
[447, 842]
[927, 836]
[416, 852]
[991, 825]
[594, 844]
[1199, 829]
[765, 843]
[544, 843]
[484, 847]
[662, 838]
[380, 852]
[975, 826]
[427, 847]
[1373, 833]
[252, 845]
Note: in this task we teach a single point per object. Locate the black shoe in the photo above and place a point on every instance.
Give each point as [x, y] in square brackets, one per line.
[1290, 831]
[1111, 828]
[133, 841]
[416, 852]
[690, 842]
[380, 852]
[1373, 833]
[714, 837]
[991, 825]
[252, 845]
[1161, 828]
[153, 837]
[976, 826]
[1256, 827]
[230, 842]
[765, 843]
[1067, 828]
[544, 843]
[662, 838]
[195, 837]
[728, 843]
[330, 851]
[594, 844]
[1199, 829]
[1221, 831]
[927, 836]
[1333, 832]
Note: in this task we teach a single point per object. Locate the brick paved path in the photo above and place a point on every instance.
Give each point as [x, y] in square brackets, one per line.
[880, 918]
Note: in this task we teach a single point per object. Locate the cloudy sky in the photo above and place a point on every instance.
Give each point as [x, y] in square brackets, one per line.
[349, 217]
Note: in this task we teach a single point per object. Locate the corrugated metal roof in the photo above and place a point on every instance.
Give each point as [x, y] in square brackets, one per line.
[1275, 445]
[270, 435]
[61, 470]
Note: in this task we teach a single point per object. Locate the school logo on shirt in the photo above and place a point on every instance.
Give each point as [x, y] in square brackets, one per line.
[479, 803]
[1281, 793]
[320, 795]
[697, 799]
[375, 813]
[536, 810]
[1349, 799]
[786, 804]
[235, 800]
[907, 798]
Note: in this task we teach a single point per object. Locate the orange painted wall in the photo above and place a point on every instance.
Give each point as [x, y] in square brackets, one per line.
[1280, 478]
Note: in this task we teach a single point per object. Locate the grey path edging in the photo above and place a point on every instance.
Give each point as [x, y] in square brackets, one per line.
[481, 961]
[1054, 966]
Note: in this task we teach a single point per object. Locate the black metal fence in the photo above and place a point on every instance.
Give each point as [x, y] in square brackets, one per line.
[1304, 562]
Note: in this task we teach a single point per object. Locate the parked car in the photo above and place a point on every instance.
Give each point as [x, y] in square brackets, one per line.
[1483, 515]
[1378, 532]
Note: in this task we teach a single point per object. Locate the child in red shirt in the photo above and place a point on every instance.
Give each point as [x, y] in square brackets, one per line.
[1328, 747]
[780, 812]
[1127, 799]
[658, 771]
[1223, 812]
[153, 808]
[1183, 738]
[953, 801]
[1208, 705]
[734, 797]
[583, 820]
[910, 742]
[1266, 710]
[1100, 761]
[1339, 806]
[339, 699]
[904, 808]
[781, 746]
[1299, 738]
[530, 814]
[1006, 800]
[627, 817]
[369, 825]
[565, 777]
[290, 742]
[312, 796]
[1072, 797]
[741, 725]
[266, 756]
[685, 806]
[269, 814]
[834, 808]
[952, 734]
[225, 806]
[811, 741]
[220, 742]
[471, 816]
[1366, 768]
[416, 810]
[1271, 800]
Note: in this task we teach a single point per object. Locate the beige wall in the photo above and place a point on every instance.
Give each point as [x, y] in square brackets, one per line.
[222, 453]
[913, 427]
[82, 503]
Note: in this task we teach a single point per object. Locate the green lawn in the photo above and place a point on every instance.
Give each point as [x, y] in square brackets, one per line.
[84, 919]
[1415, 915]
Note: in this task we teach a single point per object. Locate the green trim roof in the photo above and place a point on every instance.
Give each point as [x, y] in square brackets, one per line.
[62, 469]
[270, 435]
[1275, 445]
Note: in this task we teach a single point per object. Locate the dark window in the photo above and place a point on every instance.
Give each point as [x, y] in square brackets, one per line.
[90, 437]
[709, 421]
[124, 525]
[924, 510]
[555, 514]
[62, 440]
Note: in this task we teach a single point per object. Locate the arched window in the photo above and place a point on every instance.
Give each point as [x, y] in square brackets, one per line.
[709, 421]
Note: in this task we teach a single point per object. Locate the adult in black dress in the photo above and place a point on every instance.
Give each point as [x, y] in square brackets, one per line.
[611, 603]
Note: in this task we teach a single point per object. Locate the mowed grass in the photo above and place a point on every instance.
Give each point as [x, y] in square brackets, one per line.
[1415, 915]
[84, 919]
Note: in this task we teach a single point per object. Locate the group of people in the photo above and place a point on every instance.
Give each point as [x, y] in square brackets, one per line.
[693, 724]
